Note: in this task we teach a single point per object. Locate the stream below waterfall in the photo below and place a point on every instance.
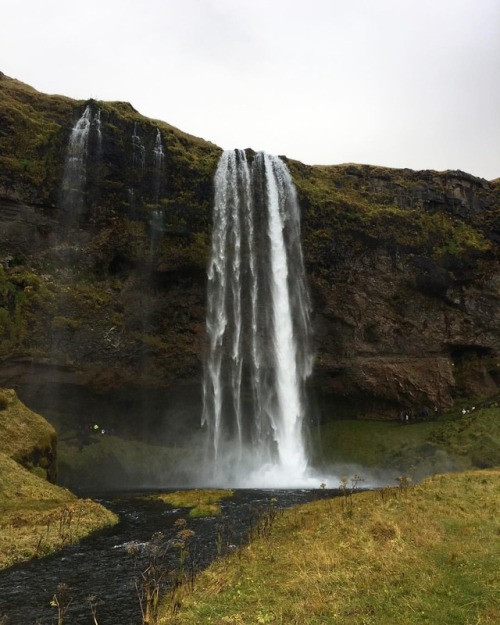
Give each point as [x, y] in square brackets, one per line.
[107, 566]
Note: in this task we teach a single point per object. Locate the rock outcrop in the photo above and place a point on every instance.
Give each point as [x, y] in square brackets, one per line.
[104, 307]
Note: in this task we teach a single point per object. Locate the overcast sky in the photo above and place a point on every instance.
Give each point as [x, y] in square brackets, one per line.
[400, 83]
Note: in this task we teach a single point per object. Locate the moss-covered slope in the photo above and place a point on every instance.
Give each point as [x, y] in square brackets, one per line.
[26, 437]
[36, 516]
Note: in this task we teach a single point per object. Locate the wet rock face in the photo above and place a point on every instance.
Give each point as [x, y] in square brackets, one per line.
[402, 266]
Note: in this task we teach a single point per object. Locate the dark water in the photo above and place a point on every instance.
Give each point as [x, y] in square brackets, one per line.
[108, 565]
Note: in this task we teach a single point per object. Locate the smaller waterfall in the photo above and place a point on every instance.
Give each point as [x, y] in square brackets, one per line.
[158, 161]
[75, 166]
[156, 222]
[157, 229]
[97, 123]
[75, 171]
[136, 176]
[158, 154]
[259, 353]
[138, 150]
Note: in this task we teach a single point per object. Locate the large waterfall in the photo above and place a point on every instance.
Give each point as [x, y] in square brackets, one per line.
[258, 354]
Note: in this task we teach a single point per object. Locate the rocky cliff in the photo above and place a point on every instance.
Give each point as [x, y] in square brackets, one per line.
[102, 301]
[405, 276]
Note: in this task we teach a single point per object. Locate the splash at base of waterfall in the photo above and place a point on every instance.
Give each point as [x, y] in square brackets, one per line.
[273, 476]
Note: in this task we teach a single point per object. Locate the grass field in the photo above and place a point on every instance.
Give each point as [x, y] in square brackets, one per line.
[201, 501]
[37, 517]
[455, 442]
[405, 555]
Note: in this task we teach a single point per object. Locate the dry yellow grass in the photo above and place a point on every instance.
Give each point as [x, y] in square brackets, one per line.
[37, 517]
[424, 554]
[21, 429]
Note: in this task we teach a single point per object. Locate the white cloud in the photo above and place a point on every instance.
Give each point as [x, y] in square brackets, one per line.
[392, 82]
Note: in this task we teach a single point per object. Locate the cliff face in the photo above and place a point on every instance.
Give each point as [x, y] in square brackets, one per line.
[404, 269]
[102, 301]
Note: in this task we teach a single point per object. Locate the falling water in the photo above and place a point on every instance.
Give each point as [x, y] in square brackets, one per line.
[75, 172]
[75, 166]
[139, 152]
[158, 154]
[97, 124]
[258, 326]
[156, 229]
[158, 160]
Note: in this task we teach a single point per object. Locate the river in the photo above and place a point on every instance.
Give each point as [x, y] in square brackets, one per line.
[102, 573]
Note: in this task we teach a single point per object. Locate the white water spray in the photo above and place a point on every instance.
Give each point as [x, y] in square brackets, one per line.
[258, 327]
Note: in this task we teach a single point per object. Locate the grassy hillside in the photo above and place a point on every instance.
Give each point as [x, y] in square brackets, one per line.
[461, 439]
[362, 206]
[412, 555]
[26, 436]
[34, 128]
[36, 516]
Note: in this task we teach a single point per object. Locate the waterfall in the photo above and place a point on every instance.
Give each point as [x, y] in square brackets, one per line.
[158, 160]
[97, 124]
[75, 166]
[138, 150]
[157, 229]
[75, 171]
[258, 309]
[158, 154]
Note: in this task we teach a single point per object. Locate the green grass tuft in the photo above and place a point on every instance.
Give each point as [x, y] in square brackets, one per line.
[203, 502]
